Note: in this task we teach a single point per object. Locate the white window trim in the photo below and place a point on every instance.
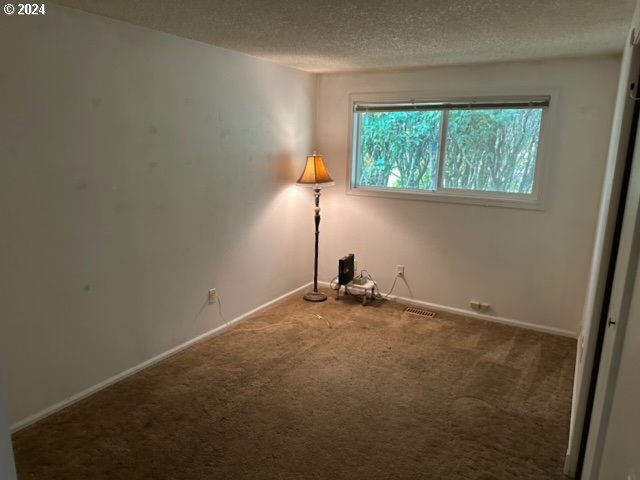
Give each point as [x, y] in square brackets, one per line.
[533, 201]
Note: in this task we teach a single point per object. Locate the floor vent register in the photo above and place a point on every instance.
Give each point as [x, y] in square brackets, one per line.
[420, 311]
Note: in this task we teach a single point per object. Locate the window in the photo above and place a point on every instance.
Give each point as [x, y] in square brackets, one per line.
[482, 150]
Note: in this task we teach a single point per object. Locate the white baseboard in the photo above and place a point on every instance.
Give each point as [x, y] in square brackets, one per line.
[480, 316]
[218, 330]
[122, 375]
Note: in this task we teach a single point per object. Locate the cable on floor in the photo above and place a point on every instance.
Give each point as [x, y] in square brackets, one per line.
[376, 289]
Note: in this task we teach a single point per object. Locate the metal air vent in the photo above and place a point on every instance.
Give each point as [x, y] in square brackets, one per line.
[420, 311]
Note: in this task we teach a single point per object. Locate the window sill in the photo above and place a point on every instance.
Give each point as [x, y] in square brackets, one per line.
[486, 199]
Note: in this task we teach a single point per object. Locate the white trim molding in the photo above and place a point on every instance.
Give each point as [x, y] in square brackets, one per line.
[226, 326]
[479, 316]
[141, 366]
[482, 316]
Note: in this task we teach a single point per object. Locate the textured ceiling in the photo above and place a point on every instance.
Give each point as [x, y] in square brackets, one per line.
[344, 35]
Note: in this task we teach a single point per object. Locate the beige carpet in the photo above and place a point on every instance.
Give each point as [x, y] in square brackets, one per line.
[330, 390]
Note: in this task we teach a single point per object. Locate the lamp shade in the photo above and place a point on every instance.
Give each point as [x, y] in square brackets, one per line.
[315, 172]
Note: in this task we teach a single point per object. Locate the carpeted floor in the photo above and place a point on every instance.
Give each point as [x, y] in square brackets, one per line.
[330, 390]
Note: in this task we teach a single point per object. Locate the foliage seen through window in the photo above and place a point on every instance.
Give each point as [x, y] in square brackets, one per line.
[485, 150]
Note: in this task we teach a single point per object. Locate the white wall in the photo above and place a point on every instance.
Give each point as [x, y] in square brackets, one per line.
[138, 170]
[531, 266]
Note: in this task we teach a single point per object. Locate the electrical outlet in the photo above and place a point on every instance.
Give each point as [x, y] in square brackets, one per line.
[476, 305]
[399, 270]
[213, 295]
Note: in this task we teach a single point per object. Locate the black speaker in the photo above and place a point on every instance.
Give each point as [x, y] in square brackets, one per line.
[345, 269]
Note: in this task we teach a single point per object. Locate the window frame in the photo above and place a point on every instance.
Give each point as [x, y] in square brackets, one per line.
[533, 201]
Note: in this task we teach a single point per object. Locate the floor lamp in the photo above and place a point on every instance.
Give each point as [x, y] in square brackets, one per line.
[315, 175]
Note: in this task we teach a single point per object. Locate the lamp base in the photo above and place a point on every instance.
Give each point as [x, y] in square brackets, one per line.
[315, 297]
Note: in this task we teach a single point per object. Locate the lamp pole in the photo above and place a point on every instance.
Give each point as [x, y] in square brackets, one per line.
[316, 296]
[315, 175]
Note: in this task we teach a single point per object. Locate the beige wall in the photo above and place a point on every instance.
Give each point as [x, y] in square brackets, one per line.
[138, 170]
[531, 266]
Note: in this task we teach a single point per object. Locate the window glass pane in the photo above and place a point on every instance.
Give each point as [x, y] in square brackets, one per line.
[492, 150]
[398, 149]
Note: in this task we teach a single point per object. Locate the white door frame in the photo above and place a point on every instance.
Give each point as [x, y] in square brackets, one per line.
[617, 317]
[604, 244]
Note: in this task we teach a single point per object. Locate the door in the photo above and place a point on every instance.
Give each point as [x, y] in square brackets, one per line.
[619, 324]
[620, 457]
[605, 250]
